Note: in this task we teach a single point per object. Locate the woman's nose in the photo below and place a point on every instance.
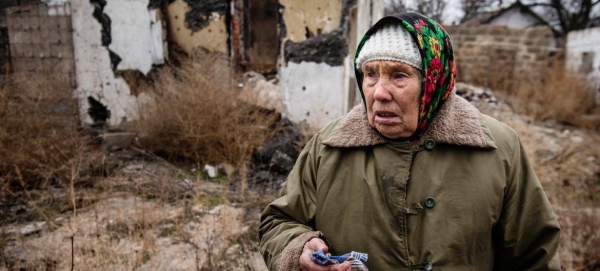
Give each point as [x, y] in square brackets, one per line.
[382, 90]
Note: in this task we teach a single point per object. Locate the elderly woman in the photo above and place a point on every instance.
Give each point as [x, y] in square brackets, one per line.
[416, 177]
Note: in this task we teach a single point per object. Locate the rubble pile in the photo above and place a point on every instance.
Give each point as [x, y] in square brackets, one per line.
[474, 94]
[274, 160]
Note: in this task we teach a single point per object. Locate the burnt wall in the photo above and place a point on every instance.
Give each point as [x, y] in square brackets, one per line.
[104, 21]
[331, 48]
[261, 38]
[346, 5]
[200, 12]
[4, 51]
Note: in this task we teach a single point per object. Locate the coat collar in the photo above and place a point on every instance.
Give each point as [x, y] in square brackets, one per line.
[458, 123]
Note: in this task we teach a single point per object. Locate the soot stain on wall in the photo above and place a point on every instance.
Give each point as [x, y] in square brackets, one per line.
[105, 21]
[282, 27]
[331, 48]
[346, 5]
[200, 12]
[152, 4]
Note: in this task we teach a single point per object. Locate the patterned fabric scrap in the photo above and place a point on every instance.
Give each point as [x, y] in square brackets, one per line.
[356, 259]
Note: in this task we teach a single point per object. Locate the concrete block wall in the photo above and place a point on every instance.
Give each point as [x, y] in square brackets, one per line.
[485, 53]
[40, 41]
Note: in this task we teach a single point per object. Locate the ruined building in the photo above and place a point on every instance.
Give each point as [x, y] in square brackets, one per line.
[92, 43]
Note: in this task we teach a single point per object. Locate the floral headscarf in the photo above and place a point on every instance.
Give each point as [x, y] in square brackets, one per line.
[439, 71]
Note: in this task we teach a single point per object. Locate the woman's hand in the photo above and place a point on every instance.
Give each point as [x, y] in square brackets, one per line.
[307, 264]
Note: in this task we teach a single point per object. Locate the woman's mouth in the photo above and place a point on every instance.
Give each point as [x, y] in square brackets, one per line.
[385, 117]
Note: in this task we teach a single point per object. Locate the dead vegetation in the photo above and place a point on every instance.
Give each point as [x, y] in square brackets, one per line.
[41, 145]
[66, 203]
[552, 94]
[194, 114]
[39, 133]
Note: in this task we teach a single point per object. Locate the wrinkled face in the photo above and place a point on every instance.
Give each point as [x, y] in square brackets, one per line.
[392, 90]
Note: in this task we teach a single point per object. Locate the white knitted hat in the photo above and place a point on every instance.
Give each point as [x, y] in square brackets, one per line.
[391, 42]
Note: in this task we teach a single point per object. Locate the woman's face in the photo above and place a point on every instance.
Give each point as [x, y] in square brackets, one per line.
[392, 90]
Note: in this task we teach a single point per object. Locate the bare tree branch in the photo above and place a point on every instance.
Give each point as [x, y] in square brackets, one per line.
[473, 8]
[568, 15]
[430, 8]
[394, 6]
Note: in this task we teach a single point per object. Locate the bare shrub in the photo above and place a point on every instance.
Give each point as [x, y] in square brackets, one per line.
[193, 114]
[552, 93]
[558, 95]
[579, 238]
[39, 136]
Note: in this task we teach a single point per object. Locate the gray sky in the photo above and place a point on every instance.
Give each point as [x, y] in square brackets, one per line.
[453, 11]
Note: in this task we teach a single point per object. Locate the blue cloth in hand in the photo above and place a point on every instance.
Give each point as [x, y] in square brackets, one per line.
[356, 259]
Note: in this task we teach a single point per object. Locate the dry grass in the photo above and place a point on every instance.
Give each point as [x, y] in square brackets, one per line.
[154, 216]
[579, 248]
[40, 144]
[127, 231]
[553, 93]
[194, 114]
[172, 222]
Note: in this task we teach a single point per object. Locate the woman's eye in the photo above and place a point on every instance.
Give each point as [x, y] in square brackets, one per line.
[399, 76]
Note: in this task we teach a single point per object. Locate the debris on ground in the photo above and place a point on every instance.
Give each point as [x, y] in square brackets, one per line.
[256, 90]
[473, 93]
[136, 211]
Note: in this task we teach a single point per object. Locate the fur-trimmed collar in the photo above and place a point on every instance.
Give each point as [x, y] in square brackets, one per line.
[458, 123]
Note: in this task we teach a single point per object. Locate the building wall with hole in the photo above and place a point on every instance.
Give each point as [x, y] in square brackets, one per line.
[86, 45]
[306, 18]
[316, 67]
[202, 24]
[108, 41]
[307, 42]
[583, 56]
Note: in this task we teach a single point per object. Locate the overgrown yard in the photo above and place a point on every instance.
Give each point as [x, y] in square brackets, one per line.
[69, 201]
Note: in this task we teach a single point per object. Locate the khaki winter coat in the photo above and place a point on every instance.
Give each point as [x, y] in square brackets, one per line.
[471, 201]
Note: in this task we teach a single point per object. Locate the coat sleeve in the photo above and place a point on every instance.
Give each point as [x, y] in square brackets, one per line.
[527, 233]
[288, 222]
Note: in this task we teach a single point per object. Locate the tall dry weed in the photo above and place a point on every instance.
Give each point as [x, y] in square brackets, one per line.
[559, 95]
[194, 114]
[39, 135]
[550, 93]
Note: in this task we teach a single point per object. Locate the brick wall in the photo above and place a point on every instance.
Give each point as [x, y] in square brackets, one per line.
[41, 45]
[486, 53]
